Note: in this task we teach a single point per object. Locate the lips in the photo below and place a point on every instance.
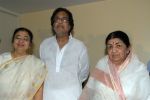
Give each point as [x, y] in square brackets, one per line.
[115, 56]
[60, 27]
[20, 45]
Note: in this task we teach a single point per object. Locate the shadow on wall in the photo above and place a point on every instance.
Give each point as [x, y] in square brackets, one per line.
[5, 44]
[143, 55]
[148, 67]
[96, 46]
[41, 35]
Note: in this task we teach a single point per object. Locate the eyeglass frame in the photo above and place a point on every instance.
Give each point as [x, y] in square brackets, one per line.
[63, 20]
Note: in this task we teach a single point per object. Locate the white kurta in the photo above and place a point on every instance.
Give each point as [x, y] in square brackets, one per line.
[67, 68]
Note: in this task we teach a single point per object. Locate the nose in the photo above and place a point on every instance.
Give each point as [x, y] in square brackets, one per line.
[58, 20]
[114, 49]
[22, 40]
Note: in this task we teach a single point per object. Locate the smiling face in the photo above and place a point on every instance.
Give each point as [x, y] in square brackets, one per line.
[21, 42]
[61, 24]
[117, 51]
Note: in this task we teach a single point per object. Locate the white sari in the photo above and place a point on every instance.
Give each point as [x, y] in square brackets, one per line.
[130, 82]
[20, 78]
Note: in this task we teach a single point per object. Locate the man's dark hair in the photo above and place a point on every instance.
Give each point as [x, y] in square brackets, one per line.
[70, 18]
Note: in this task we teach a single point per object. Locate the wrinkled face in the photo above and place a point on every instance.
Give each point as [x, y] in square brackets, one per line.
[117, 51]
[21, 41]
[61, 24]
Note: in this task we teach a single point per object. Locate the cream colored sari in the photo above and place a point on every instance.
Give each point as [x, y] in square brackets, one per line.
[20, 78]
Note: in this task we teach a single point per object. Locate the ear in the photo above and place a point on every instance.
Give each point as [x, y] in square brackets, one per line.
[30, 49]
[128, 50]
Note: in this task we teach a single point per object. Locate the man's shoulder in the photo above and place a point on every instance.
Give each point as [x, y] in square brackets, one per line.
[77, 41]
[47, 40]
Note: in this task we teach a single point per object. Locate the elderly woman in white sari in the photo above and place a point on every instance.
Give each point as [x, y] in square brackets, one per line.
[21, 74]
[119, 75]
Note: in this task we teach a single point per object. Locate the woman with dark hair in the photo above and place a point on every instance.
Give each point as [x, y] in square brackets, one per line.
[21, 74]
[119, 75]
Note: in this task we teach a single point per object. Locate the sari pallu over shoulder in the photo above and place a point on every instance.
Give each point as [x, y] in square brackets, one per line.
[100, 80]
[20, 78]
[132, 78]
[96, 87]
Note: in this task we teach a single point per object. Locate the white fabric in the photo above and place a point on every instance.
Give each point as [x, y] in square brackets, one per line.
[5, 57]
[134, 79]
[20, 78]
[74, 69]
[59, 56]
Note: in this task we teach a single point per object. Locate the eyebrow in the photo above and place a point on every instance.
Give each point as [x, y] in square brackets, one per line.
[23, 36]
[61, 17]
[113, 43]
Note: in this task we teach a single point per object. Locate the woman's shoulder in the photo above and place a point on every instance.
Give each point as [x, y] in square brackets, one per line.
[36, 66]
[5, 57]
[5, 54]
[135, 65]
[34, 59]
[35, 62]
[102, 63]
[136, 61]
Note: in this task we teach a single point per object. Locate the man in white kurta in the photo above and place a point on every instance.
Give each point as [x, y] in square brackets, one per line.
[66, 59]
[67, 68]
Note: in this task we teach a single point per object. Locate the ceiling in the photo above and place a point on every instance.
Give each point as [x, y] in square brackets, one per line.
[26, 6]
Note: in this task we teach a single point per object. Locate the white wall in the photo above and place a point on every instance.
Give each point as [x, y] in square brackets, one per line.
[94, 21]
[8, 22]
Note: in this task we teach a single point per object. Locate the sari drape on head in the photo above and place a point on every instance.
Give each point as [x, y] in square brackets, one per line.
[20, 78]
[106, 82]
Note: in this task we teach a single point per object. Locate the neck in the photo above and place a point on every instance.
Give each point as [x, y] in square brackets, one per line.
[18, 54]
[118, 65]
[62, 40]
